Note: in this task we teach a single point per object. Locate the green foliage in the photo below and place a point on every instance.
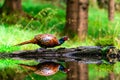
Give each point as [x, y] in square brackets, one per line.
[47, 19]
[6, 48]
[117, 68]
[9, 68]
[13, 63]
[33, 9]
[58, 76]
[99, 26]
[118, 1]
[6, 74]
[11, 36]
[1, 2]
[97, 23]
[104, 42]
[51, 19]
[99, 71]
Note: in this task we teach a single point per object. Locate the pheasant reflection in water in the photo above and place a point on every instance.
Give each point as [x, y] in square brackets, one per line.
[46, 68]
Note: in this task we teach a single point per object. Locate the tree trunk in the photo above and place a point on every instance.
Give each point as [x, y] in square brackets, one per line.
[82, 19]
[111, 9]
[111, 76]
[10, 6]
[71, 17]
[13, 8]
[83, 71]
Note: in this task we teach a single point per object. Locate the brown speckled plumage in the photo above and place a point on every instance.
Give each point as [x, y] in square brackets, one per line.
[43, 40]
[46, 40]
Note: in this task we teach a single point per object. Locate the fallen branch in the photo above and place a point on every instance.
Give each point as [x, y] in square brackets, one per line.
[82, 53]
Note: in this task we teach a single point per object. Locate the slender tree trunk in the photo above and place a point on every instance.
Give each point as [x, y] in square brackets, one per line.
[111, 9]
[77, 22]
[83, 71]
[13, 8]
[10, 6]
[82, 19]
[71, 17]
[77, 18]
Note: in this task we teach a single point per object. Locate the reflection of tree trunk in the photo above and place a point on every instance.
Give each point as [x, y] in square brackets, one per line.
[72, 75]
[111, 76]
[71, 17]
[111, 9]
[78, 71]
[82, 71]
[82, 19]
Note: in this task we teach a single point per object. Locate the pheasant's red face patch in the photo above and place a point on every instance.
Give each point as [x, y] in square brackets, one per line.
[66, 38]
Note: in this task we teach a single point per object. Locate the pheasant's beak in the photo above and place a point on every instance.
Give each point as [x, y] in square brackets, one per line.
[68, 38]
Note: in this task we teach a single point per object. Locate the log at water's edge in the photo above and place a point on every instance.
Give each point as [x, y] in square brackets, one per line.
[109, 53]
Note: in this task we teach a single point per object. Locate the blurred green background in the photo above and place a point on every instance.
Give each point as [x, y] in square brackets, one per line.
[51, 19]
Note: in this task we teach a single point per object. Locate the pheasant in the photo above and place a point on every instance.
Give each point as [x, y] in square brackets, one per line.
[45, 41]
[46, 68]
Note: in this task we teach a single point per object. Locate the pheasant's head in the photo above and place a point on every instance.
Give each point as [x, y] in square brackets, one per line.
[63, 39]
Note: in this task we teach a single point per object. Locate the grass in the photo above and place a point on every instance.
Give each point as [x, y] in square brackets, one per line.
[51, 19]
[99, 26]
[11, 36]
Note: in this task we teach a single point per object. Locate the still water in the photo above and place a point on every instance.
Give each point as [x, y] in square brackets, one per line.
[63, 64]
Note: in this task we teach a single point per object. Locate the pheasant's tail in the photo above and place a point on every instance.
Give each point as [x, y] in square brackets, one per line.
[33, 41]
[33, 68]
